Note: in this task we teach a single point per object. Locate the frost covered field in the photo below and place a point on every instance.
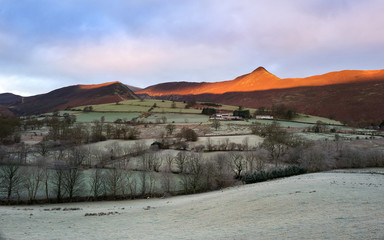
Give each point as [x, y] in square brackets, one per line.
[333, 205]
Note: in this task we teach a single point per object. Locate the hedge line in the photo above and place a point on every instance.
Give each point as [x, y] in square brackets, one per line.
[261, 176]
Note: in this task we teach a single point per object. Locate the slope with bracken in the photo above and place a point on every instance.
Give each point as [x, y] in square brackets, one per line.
[72, 96]
[350, 96]
[261, 79]
[349, 102]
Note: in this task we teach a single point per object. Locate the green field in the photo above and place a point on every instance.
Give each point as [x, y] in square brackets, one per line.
[175, 112]
[313, 119]
[162, 106]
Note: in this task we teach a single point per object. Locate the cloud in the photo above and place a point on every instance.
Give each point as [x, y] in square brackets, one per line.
[148, 41]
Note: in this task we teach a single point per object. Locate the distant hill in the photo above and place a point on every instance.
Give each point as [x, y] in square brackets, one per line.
[133, 89]
[261, 79]
[349, 102]
[5, 112]
[72, 96]
[9, 98]
[350, 96]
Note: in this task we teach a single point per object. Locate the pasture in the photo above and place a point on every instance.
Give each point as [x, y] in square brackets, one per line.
[330, 205]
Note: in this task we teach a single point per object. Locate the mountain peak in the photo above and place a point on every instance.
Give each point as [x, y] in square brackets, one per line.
[260, 69]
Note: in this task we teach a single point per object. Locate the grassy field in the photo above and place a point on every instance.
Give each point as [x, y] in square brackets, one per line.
[159, 106]
[314, 206]
[314, 119]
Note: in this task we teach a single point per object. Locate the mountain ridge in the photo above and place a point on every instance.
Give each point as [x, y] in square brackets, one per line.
[73, 96]
[261, 79]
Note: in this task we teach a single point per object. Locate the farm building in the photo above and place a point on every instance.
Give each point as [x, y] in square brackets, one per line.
[224, 117]
[264, 117]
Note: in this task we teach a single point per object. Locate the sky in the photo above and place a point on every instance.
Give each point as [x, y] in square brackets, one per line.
[47, 44]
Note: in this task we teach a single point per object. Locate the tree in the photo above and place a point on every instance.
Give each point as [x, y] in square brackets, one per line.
[319, 127]
[223, 171]
[216, 124]
[166, 173]
[8, 126]
[238, 164]
[43, 148]
[194, 169]
[255, 160]
[242, 113]
[88, 109]
[97, 131]
[276, 141]
[96, 182]
[57, 180]
[72, 181]
[163, 119]
[208, 111]
[33, 180]
[73, 174]
[188, 134]
[113, 179]
[180, 161]
[170, 129]
[12, 177]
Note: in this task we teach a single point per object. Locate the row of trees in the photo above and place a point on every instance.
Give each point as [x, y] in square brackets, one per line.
[8, 127]
[278, 111]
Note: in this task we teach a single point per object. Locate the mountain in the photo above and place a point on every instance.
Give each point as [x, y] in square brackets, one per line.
[261, 79]
[72, 96]
[133, 89]
[351, 103]
[350, 96]
[5, 112]
[9, 98]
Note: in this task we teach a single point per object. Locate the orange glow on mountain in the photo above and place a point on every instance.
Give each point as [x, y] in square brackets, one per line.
[261, 79]
[92, 86]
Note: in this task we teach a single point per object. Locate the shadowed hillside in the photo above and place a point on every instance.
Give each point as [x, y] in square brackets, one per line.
[9, 98]
[351, 103]
[73, 96]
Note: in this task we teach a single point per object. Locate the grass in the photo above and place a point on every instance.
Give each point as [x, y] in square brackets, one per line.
[313, 119]
[145, 105]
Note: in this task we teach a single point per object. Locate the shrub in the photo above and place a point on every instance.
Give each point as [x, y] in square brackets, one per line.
[188, 134]
[261, 176]
[208, 111]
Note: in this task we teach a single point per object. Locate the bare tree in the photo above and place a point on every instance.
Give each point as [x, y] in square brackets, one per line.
[143, 180]
[276, 141]
[238, 164]
[223, 173]
[245, 143]
[43, 148]
[97, 179]
[57, 179]
[216, 124]
[170, 129]
[131, 182]
[180, 161]
[194, 171]
[73, 179]
[168, 159]
[114, 177]
[99, 156]
[150, 161]
[209, 144]
[12, 177]
[34, 178]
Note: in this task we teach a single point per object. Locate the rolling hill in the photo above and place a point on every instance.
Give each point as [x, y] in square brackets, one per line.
[350, 96]
[72, 96]
[9, 98]
[261, 79]
[349, 102]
